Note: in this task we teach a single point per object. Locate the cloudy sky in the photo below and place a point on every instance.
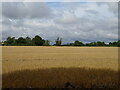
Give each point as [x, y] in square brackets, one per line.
[83, 21]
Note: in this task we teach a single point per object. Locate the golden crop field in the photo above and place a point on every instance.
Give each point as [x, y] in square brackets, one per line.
[59, 67]
[28, 57]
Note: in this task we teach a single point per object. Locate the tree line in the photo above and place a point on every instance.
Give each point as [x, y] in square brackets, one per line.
[39, 41]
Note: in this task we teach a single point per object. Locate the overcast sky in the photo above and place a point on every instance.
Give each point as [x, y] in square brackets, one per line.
[83, 21]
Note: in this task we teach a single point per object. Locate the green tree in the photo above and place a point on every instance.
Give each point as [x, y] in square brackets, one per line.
[78, 43]
[100, 43]
[46, 43]
[29, 41]
[10, 41]
[114, 43]
[21, 41]
[38, 41]
[58, 41]
[118, 43]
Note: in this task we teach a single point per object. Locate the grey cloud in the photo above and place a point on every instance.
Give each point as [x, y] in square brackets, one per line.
[91, 23]
[13, 10]
[20, 10]
[66, 18]
[113, 7]
[92, 12]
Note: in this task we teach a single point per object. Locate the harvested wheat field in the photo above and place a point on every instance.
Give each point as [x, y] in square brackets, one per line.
[27, 66]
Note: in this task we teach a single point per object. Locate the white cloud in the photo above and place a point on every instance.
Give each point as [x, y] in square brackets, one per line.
[71, 21]
[66, 18]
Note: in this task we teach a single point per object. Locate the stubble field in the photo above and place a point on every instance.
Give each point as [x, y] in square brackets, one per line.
[27, 66]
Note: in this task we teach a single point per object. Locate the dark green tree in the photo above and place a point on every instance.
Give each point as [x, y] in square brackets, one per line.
[118, 43]
[78, 43]
[58, 42]
[21, 41]
[10, 41]
[38, 41]
[29, 41]
[46, 43]
[114, 43]
[100, 43]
